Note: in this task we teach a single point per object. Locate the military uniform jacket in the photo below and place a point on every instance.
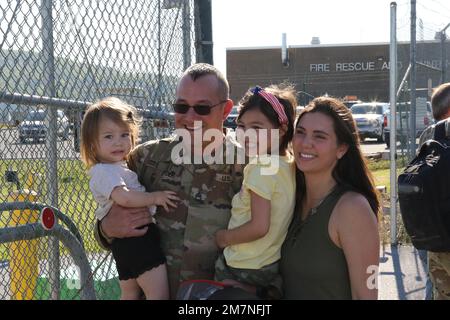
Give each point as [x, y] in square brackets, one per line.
[188, 232]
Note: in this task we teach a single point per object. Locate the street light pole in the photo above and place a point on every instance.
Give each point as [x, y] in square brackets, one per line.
[443, 52]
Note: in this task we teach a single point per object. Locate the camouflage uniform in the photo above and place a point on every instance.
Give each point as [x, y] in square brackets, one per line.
[268, 276]
[438, 262]
[439, 266]
[188, 233]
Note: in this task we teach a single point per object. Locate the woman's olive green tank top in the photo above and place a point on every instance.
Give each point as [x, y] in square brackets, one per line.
[312, 266]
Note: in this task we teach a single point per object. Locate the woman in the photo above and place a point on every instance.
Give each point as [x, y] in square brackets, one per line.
[332, 247]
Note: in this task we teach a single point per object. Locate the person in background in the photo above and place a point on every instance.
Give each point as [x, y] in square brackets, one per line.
[438, 262]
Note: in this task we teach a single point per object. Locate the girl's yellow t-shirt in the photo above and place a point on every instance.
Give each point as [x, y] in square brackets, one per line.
[272, 178]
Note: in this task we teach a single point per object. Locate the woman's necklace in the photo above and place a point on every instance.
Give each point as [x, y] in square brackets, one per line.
[299, 226]
[314, 209]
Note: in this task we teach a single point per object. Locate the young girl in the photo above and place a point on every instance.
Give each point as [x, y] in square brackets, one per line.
[108, 133]
[262, 210]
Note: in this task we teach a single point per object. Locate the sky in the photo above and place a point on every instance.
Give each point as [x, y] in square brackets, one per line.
[259, 23]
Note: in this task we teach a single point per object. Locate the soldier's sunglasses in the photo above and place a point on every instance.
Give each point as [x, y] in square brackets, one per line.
[202, 110]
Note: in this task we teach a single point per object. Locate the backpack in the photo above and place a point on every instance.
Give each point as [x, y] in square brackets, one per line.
[424, 193]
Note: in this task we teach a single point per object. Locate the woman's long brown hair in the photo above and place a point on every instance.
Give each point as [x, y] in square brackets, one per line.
[351, 169]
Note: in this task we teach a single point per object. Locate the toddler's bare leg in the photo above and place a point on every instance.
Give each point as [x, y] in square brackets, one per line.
[154, 283]
[130, 290]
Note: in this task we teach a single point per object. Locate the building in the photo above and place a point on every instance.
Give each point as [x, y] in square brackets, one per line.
[360, 70]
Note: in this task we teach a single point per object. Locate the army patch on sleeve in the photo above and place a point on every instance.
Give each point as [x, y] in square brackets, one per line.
[226, 178]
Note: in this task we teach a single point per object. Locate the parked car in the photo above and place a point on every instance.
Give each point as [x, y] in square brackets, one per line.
[34, 126]
[424, 118]
[369, 118]
[230, 121]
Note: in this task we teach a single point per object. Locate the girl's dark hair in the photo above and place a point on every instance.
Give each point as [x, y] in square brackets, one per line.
[352, 168]
[286, 94]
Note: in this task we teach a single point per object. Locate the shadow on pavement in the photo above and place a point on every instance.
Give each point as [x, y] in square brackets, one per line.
[402, 274]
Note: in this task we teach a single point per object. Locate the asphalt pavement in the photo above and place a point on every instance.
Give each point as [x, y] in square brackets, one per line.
[402, 274]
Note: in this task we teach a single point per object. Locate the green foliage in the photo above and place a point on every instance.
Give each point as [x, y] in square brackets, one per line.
[378, 164]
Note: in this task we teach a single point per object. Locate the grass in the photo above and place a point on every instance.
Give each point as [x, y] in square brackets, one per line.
[383, 177]
[381, 171]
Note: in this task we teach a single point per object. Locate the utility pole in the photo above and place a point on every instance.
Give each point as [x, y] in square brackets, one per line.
[412, 111]
[443, 54]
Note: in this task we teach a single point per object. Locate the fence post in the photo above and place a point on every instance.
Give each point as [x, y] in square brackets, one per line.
[393, 115]
[51, 138]
[204, 43]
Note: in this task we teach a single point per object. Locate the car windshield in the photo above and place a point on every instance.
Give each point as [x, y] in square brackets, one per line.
[367, 109]
[35, 116]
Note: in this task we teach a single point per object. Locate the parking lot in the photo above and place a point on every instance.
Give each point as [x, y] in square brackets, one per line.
[12, 148]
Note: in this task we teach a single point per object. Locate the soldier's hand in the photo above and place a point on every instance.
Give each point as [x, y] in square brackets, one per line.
[165, 199]
[121, 222]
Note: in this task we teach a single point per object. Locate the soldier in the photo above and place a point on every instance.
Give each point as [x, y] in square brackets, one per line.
[187, 233]
[439, 262]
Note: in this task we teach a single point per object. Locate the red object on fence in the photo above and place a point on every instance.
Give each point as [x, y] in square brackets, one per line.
[47, 218]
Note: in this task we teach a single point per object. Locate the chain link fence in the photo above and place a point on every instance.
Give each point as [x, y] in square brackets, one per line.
[415, 82]
[432, 57]
[56, 56]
